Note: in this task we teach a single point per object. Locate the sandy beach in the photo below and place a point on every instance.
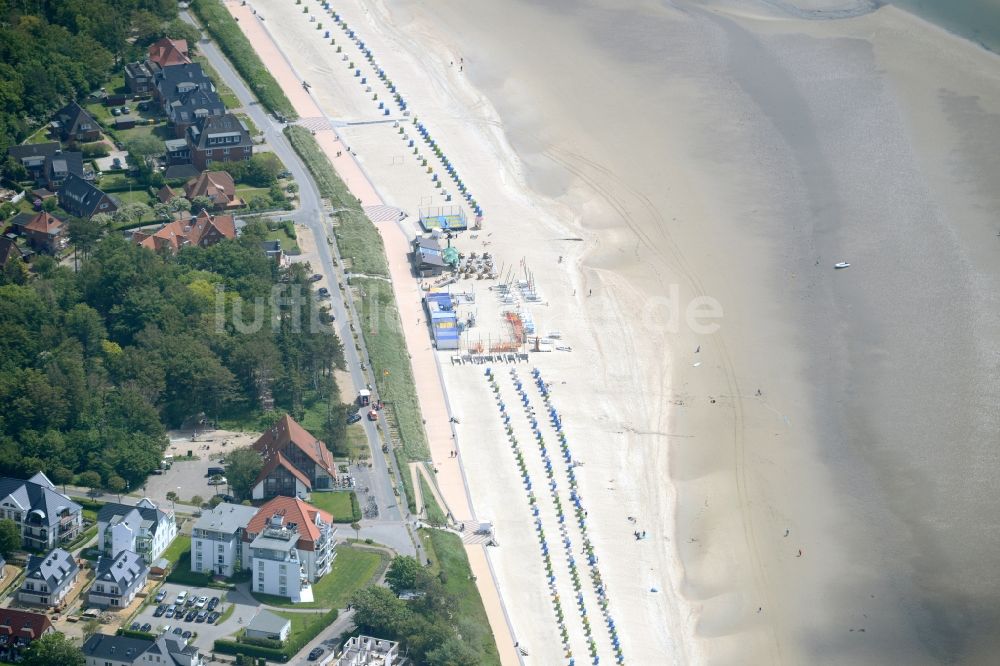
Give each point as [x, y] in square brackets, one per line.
[814, 478]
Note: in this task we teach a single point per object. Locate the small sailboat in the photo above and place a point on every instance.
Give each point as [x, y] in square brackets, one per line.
[841, 264]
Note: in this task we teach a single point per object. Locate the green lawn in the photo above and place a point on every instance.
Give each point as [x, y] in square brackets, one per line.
[111, 181]
[180, 545]
[248, 192]
[226, 93]
[288, 244]
[357, 238]
[249, 123]
[100, 113]
[391, 362]
[183, 575]
[160, 131]
[135, 196]
[116, 84]
[435, 515]
[303, 627]
[448, 554]
[41, 136]
[84, 537]
[226, 614]
[353, 568]
[339, 504]
[357, 442]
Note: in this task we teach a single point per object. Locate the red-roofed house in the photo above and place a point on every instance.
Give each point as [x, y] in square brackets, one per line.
[165, 194]
[18, 629]
[217, 186]
[295, 462]
[288, 545]
[166, 52]
[45, 232]
[203, 230]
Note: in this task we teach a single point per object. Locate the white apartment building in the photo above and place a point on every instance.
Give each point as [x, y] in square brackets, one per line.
[216, 540]
[289, 537]
[144, 529]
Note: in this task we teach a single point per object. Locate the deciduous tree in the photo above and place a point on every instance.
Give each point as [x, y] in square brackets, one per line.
[54, 648]
[242, 467]
[10, 537]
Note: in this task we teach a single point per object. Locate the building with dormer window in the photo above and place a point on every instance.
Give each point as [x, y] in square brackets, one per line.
[48, 579]
[45, 516]
[144, 529]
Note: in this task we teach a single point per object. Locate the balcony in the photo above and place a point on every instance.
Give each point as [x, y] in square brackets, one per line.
[106, 595]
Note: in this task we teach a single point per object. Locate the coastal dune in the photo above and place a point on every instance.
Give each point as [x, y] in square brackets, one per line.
[816, 476]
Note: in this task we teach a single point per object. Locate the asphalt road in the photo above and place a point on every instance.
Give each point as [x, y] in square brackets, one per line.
[311, 212]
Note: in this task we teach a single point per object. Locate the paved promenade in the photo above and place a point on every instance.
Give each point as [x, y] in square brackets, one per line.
[430, 391]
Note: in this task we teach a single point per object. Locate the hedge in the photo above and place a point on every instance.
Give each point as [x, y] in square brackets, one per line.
[91, 504]
[285, 653]
[233, 647]
[223, 28]
[128, 633]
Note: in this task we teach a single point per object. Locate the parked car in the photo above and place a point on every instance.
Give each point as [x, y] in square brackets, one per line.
[146, 627]
[201, 602]
[191, 616]
[181, 596]
[169, 613]
[190, 601]
[178, 630]
[135, 626]
[125, 111]
[353, 418]
[215, 471]
[116, 163]
[115, 111]
[324, 292]
[315, 277]
[160, 610]
[315, 653]
[201, 616]
[218, 481]
[186, 635]
[213, 617]
[212, 603]
[161, 595]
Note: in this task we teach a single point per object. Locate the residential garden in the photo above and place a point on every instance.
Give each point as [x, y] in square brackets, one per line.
[355, 567]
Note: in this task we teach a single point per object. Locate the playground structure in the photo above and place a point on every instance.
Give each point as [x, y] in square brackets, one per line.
[445, 218]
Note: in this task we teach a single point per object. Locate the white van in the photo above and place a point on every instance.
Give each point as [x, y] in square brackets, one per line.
[181, 596]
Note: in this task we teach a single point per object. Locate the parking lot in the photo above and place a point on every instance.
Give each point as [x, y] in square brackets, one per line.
[187, 478]
[206, 633]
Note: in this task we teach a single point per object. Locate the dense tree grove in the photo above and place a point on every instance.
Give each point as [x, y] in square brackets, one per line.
[52, 51]
[432, 633]
[96, 364]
